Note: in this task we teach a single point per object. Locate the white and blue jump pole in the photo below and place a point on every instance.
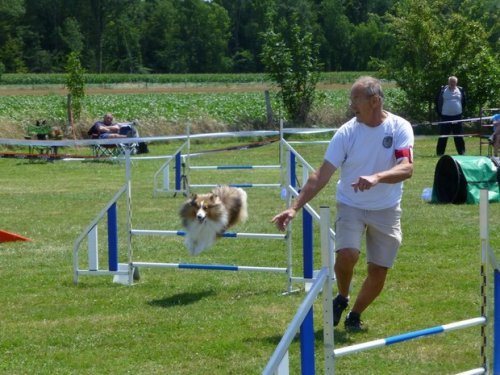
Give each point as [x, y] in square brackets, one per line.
[112, 238]
[112, 224]
[165, 172]
[110, 212]
[182, 233]
[208, 267]
[357, 348]
[235, 167]
[179, 167]
[307, 326]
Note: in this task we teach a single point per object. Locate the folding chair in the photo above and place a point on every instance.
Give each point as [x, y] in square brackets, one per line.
[486, 129]
[107, 151]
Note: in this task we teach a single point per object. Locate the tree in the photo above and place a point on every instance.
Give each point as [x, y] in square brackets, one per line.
[75, 83]
[186, 36]
[159, 41]
[290, 57]
[337, 33]
[431, 42]
[248, 19]
[11, 43]
[71, 36]
[368, 39]
[203, 36]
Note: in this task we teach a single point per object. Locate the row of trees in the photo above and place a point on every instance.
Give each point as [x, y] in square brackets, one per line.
[193, 36]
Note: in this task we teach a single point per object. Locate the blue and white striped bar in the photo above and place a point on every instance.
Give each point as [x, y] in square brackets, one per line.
[209, 267]
[199, 167]
[182, 233]
[234, 185]
[409, 336]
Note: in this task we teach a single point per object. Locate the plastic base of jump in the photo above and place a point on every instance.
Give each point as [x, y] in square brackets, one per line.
[124, 278]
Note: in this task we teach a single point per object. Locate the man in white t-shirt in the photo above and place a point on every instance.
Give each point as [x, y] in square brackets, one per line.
[374, 153]
[450, 103]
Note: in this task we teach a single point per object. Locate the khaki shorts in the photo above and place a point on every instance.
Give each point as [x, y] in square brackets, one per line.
[383, 232]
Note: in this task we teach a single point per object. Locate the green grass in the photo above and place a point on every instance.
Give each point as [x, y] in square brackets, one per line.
[191, 322]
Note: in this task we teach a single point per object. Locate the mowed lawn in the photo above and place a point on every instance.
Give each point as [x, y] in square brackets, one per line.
[213, 322]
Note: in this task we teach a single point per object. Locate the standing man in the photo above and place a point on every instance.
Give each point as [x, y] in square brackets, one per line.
[450, 103]
[374, 153]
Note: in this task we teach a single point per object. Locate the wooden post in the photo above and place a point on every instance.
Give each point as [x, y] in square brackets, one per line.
[269, 109]
[70, 117]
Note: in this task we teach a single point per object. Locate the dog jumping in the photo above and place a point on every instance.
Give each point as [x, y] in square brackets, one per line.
[206, 216]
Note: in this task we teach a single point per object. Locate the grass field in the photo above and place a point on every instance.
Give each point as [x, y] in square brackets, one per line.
[194, 322]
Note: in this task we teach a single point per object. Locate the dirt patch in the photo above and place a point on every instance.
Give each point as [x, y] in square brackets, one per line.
[149, 89]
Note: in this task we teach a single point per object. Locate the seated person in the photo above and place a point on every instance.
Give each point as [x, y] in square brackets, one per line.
[495, 137]
[109, 129]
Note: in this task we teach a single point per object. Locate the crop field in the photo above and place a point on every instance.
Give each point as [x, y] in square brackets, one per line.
[161, 79]
[164, 104]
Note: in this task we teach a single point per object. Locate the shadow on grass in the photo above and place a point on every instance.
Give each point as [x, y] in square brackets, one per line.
[341, 337]
[181, 299]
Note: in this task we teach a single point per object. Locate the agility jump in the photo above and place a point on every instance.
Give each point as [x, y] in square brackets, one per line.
[124, 272]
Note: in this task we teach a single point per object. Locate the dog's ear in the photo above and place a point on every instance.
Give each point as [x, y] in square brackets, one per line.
[215, 199]
[192, 199]
[37, 122]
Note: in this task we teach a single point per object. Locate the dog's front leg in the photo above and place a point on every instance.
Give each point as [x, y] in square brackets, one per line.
[191, 245]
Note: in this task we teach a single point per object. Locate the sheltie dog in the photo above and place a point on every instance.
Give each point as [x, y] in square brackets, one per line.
[206, 216]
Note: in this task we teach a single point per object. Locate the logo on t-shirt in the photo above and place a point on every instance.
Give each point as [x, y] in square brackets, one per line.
[387, 141]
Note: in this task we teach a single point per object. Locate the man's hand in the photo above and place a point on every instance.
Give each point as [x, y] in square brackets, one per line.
[365, 183]
[282, 219]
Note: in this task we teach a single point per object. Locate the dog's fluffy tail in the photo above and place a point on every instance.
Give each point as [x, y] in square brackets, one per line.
[235, 202]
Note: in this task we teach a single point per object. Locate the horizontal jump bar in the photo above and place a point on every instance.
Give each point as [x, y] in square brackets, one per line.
[235, 167]
[409, 336]
[476, 371]
[213, 267]
[234, 185]
[172, 233]
[309, 142]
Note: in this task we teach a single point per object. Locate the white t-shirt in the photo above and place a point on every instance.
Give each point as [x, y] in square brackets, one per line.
[361, 150]
[452, 102]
